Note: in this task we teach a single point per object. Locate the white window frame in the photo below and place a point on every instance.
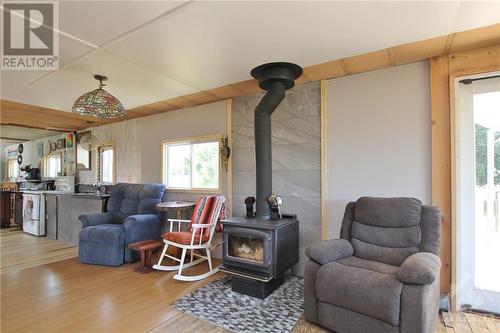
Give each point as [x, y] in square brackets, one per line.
[45, 165]
[192, 140]
[16, 167]
[99, 166]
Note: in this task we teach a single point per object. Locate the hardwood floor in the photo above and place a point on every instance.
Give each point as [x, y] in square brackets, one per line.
[67, 296]
[20, 250]
[457, 323]
[43, 291]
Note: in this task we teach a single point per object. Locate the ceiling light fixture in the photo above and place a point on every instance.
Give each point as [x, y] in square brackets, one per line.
[88, 141]
[99, 103]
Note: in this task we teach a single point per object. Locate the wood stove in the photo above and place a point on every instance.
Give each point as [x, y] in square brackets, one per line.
[258, 251]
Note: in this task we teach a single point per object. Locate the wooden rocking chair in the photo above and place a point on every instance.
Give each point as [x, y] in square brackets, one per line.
[199, 238]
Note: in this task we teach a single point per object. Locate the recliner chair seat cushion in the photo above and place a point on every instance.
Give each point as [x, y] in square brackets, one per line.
[361, 290]
[103, 233]
[375, 266]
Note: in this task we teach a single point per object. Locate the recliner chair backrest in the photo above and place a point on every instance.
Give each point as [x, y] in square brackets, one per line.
[131, 199]
[389, 230]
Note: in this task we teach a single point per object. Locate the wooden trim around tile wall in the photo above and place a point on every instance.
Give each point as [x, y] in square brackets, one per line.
[229, 172]
[324, 159]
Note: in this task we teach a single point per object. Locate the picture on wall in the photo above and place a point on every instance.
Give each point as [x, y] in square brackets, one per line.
[12, 152]
[61, 143]
[69, 140]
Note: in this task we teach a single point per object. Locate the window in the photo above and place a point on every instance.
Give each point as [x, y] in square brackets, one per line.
[192, 164]
[52, 165]
[12, 168]
[106, 164]
[82, 158]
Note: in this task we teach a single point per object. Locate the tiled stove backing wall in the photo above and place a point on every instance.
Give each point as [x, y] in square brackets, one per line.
[296, 130]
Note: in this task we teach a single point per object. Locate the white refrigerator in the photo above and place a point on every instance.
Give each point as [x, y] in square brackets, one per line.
[34, 214]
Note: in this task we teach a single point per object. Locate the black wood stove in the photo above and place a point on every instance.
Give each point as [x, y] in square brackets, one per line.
[258, 251]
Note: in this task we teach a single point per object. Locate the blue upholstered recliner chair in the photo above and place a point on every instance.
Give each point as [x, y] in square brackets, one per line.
[131, 217]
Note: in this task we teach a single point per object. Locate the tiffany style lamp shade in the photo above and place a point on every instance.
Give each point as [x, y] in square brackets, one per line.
[99, 103]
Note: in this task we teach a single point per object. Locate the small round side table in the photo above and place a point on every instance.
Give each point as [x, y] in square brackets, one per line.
[180, 207]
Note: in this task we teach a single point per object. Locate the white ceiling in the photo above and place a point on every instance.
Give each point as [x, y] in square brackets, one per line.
[154, 51]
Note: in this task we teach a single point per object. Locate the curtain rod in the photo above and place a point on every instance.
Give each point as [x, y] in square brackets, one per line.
[469, 81]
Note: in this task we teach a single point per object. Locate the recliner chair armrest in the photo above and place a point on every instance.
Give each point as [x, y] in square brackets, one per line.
[95, 219]
[330, 250]
[419, 268]
[141, 227]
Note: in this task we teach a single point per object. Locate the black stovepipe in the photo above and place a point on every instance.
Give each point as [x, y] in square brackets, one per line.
[276, 78]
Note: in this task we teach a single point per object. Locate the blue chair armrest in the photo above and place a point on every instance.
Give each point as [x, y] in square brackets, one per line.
[141, 227]
[95, 219]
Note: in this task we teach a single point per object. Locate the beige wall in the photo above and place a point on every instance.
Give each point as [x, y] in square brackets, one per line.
[379, 137]
[190, 122]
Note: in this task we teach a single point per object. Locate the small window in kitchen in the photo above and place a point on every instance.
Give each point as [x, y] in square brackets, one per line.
[12, 168]
[192, 164]
[52, 165]
[106, 162]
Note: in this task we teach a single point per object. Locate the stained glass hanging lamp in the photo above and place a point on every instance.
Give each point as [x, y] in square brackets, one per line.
[99, 103]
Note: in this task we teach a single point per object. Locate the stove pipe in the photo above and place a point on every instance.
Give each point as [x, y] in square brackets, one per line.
[275, 77]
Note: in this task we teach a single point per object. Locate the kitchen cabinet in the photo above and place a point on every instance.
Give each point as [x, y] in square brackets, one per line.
[5, 210]
[69, 208]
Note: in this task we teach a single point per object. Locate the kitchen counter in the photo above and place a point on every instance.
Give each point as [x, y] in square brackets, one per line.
[66, 208]
[62, 210]
[91, 195]
[80, 195]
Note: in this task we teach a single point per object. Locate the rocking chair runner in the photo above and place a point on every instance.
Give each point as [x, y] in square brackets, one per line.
[203, 225]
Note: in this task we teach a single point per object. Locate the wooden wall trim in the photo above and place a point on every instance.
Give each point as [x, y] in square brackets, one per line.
[324, 159]
[229, 175]
[441, 159]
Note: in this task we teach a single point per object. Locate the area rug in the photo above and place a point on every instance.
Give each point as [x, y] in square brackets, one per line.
[215, 302]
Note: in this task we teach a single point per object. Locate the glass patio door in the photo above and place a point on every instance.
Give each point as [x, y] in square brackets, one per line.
[478, 195]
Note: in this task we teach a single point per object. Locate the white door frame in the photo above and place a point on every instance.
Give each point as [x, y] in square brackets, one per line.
[458, 184]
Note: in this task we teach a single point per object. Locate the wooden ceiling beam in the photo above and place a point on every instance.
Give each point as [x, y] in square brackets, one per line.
[20, 114]
[39, 117]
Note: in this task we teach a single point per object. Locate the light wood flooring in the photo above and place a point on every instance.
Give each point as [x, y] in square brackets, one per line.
[20, 250]
[45, 289]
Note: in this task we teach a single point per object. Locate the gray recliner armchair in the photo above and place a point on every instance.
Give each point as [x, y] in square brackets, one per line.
[382, 275]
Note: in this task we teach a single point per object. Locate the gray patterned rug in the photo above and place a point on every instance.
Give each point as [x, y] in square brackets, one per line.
[215, 302]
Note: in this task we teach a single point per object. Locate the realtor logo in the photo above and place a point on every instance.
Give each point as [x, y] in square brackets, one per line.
[29, 38]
